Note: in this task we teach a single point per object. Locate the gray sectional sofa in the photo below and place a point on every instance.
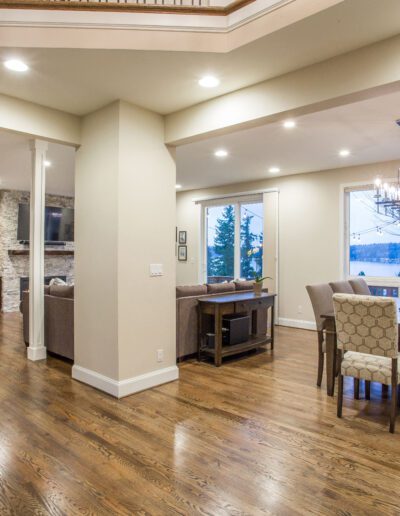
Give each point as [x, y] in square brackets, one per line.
[187, 314]
[59, 316]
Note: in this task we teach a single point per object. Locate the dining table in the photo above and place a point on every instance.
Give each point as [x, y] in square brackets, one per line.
[331, 347]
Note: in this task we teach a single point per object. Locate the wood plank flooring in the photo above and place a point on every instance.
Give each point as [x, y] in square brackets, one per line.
[255, 436]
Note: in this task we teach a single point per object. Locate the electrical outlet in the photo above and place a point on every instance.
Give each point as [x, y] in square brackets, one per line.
[160, 355]
[299, 309]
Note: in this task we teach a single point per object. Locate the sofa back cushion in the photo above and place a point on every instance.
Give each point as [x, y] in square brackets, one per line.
[220, 288]
[190, 290]
[244, 285]
[62, 291]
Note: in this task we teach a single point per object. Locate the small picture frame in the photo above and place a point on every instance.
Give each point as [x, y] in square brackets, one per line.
[182, 237]
[182, 253]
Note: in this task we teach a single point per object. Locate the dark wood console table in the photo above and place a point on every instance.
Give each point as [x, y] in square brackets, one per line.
[245, 302]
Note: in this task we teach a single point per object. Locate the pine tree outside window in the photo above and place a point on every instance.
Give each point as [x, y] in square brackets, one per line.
[234, 240]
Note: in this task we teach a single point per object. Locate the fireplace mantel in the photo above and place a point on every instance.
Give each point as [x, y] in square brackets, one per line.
[47, 252]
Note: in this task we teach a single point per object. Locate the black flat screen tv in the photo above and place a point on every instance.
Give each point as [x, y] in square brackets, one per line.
[58, 225]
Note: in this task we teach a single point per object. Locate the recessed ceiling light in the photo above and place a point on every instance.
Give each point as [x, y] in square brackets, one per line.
[344, 153]
[178, 186]
[47, 163]
[16, 65]
[289, 124]
[221, 153]
[274, 170]
[209, 81]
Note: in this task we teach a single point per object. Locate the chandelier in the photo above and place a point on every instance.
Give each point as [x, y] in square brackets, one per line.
[387, 197]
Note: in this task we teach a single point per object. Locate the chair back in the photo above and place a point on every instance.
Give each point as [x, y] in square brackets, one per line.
[360, 287]
[341, 287]
[366, 324]
[321, 300]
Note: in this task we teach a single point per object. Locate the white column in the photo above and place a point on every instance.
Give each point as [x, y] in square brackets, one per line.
[36, 349]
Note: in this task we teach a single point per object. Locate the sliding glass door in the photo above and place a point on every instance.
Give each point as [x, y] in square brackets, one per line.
[251, 239]
[233, 240]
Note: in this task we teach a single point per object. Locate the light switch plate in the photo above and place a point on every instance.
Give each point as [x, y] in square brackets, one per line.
[156, 269]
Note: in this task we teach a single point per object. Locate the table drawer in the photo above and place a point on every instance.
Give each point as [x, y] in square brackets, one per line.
[243, 306]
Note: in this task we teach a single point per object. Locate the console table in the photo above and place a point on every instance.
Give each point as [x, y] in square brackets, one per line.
[247, 303]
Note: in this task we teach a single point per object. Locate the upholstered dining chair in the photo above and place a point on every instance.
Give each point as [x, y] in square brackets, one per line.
[322, 303]
[360, 286]
[367, 330]
[341, 287]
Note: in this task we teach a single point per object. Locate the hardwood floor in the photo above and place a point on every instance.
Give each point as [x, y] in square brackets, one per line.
[255, 436]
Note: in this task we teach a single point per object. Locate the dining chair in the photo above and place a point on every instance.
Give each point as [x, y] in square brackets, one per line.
[360, 287]
[341, 287]
[322, 303]
[367, 331]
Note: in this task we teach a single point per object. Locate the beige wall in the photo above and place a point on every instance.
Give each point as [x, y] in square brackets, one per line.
[96, 243]
[146, 234]
[125, 220]
[309, 229]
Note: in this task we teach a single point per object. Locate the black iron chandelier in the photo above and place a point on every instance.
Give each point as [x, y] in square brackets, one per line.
[387, 197]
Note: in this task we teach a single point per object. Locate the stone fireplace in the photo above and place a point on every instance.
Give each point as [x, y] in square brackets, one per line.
[14, 257]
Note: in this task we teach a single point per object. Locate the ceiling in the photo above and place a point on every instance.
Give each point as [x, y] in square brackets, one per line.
[80, 81]
[366, 128]
[15, 165]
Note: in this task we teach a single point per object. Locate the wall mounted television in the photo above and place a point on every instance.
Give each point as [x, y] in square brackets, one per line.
[58, 225]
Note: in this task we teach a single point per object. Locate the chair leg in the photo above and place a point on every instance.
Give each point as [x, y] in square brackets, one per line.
[398, 395]
[340, 396]
[385, 391]
[320, 358]
[393, 407]
[367, 390]
[356, 388]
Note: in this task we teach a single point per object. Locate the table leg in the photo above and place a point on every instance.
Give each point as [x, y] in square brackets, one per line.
[330, 357]
[272, 326]
[218, 336]
[200, 336]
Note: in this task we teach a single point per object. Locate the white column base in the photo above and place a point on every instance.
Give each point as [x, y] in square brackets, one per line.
[122, 388]
[36, 353]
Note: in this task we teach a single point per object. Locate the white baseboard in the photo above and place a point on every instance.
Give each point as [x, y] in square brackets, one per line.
[297, 323]
[122, 388]
[36, 353]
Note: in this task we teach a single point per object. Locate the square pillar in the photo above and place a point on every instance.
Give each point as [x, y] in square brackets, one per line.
[124, 222]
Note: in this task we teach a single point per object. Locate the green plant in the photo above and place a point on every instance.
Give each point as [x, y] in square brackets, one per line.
[259, 278]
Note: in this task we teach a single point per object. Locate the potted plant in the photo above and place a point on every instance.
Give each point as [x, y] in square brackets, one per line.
[258, 283]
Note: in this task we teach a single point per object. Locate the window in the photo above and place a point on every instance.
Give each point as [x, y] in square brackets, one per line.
[251, 239]
[234, 239]
[373, 238]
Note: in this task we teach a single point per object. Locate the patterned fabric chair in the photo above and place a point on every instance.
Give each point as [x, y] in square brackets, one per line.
[367, 330]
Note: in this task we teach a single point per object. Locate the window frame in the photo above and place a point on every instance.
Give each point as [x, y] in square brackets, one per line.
[237, 202]
[383, 281]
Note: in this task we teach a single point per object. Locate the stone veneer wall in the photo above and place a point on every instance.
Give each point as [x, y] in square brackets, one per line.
[12, 268]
